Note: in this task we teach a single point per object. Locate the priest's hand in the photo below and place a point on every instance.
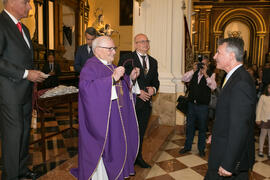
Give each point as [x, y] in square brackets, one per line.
[118, 73]
[144, 96]
[36, 76]
[134, 73]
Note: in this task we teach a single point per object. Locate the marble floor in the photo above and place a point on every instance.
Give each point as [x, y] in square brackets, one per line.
[59, 148]
[167, 163]
[171, 165]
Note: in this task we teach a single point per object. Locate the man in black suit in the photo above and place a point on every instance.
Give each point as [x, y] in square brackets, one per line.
[232, 141]
[52, 68]
[85, 52]
[16, 77]
[148, 83]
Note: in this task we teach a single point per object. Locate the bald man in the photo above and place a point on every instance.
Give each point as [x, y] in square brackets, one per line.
[16, 77]
[148, 83]
[108, 129]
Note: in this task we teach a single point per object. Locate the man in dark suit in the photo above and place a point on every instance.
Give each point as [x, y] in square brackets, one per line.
[16, 77]
[148, 83]
[52, 68]
[232, 141]
[85, 52]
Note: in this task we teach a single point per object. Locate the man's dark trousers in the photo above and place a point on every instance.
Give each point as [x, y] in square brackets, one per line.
[197, 117]
[143, 113]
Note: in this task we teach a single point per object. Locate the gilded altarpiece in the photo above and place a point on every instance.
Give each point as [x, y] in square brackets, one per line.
[212, 18]
[49, 34]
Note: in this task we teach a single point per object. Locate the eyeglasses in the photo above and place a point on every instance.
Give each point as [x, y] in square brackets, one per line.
[109, 48]
[143, 41]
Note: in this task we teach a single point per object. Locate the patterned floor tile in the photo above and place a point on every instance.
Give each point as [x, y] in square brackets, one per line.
[175, 153]
[171, 165]
[163, 177]
[186, 174]
[172, 146]
[164, 156]
[191, 160]
[256, 176]
[201, 169]
[179, 142]
[177, 137]
[156, 171]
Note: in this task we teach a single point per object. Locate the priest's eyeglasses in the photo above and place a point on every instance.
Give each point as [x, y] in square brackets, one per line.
[109, 48]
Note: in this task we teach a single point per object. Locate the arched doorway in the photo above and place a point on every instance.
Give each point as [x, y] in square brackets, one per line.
[254, 21]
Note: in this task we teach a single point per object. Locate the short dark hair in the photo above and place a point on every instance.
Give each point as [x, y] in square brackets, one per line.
[235, 45]
[91, 31]
[50, 53]
[265, 92]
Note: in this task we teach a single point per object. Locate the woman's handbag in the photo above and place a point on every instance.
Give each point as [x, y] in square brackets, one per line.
[182, 104]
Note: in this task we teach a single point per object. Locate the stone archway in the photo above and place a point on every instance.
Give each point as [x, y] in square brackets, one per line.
[250, 17]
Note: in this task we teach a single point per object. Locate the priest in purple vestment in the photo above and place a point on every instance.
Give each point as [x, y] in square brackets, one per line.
[108, 128]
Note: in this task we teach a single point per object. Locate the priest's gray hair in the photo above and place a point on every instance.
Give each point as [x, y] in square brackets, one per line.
[100, 41]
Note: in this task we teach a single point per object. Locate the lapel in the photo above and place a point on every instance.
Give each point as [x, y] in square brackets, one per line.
[26, 32]
[137, 63]
[15, 31]
[88, 55]
[150, 64]
[231, 79]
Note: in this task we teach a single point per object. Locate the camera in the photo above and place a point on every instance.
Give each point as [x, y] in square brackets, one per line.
[200, 57]
[200, 63]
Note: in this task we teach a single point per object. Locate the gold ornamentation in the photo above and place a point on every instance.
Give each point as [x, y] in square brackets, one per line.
[236, 34]
[140, 4]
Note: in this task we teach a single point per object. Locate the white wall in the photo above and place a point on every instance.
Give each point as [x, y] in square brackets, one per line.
[162, 21]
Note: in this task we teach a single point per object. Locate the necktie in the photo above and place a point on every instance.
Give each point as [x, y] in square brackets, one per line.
[90, 52]
[51, 67]
[224, 82]
[144, 65]
[19, 26]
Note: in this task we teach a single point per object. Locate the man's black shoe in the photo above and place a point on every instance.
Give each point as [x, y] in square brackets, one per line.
[183, 151]
[142, 163]
[202, 153]
[29, 175]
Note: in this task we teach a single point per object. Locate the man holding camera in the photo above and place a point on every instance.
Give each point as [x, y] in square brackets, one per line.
[201, 83]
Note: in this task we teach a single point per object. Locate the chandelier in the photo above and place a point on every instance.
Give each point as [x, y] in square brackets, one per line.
[140, 3]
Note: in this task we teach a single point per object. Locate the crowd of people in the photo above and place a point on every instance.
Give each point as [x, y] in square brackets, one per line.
[232, 153]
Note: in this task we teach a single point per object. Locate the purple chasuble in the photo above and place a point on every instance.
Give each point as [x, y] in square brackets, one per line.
[106, 129]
